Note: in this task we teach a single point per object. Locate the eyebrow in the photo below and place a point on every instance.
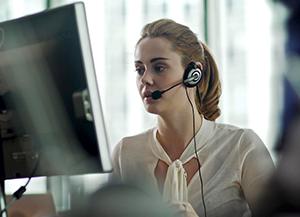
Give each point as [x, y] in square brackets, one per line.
[153, 60]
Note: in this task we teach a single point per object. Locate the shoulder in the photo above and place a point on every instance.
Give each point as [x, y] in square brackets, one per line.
[243, 139]
[139, 137]
[231, 131]
[135, 143]
[246, 142]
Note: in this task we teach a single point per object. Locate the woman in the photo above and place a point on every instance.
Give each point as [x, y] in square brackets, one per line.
[202, 168]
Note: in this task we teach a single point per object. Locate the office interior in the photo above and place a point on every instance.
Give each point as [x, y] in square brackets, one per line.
[248, 39]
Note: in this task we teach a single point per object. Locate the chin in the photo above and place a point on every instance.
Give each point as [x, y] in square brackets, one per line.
[152, 109]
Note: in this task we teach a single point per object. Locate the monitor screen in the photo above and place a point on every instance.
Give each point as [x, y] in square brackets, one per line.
[51, 120]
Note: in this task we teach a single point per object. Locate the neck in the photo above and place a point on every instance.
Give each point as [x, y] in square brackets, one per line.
[175, 131]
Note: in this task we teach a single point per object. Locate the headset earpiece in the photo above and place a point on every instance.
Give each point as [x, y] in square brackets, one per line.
[192, 75]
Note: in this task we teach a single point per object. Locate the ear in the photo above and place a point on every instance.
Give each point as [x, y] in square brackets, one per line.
[199, 65]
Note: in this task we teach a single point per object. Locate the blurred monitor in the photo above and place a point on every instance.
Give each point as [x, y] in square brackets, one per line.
[51, 120]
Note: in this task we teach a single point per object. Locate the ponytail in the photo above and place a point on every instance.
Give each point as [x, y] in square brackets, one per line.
[208, 91]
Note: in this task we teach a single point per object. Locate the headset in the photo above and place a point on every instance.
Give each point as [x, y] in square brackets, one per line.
[192, 75]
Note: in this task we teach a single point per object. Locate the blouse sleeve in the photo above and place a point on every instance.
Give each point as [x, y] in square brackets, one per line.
[115, 176]
[256, 166]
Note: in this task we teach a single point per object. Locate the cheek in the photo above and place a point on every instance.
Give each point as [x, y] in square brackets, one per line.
[138, 84]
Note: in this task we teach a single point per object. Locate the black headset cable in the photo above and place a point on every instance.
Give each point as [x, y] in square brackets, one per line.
[19, 193]
[196, 153]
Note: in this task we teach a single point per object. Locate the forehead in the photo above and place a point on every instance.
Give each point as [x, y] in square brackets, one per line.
[149, 48]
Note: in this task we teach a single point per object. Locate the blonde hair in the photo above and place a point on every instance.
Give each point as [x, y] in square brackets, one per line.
[185, 42]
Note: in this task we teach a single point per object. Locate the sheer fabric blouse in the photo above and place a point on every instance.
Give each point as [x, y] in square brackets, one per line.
[234, 162]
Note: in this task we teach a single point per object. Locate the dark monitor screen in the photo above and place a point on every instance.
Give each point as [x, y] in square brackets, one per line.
[50, 109]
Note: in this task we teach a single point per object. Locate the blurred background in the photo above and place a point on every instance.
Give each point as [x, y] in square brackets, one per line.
[246, 37]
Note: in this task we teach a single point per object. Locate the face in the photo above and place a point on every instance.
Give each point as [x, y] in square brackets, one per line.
[158, 67]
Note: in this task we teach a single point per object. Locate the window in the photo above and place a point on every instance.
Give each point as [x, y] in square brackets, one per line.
[250, 56]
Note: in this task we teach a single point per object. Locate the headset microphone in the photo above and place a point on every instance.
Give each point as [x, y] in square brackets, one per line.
[157, 93]
[192, 76]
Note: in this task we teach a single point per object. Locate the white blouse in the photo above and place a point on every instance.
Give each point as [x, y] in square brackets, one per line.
[234, 164]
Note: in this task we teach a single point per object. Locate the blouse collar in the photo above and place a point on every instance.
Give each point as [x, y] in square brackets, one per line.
[202, 136]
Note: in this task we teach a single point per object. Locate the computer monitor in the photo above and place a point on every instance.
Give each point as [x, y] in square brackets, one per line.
[51, 120]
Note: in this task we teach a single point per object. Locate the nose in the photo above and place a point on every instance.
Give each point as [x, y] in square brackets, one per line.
[147, 78]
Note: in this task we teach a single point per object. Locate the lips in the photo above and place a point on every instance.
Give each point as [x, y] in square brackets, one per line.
[146, 94]
[147, 97]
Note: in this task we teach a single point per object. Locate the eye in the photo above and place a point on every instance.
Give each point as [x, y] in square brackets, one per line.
[159, 68]
[140, 70]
